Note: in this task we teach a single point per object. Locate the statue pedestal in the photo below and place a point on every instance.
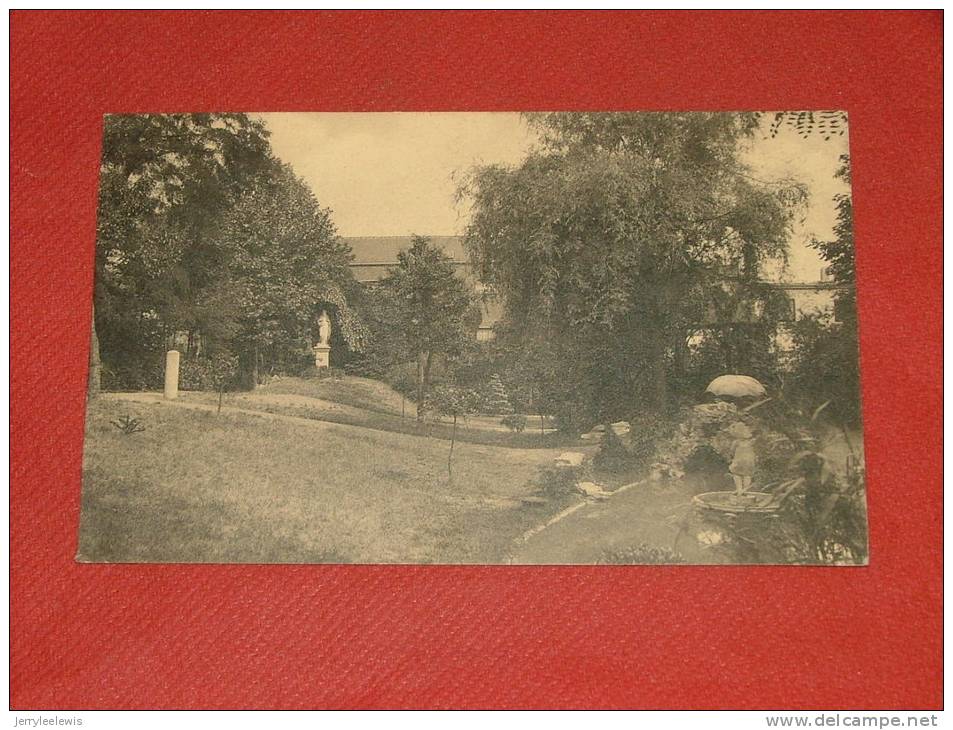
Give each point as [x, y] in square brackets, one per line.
[322, 356]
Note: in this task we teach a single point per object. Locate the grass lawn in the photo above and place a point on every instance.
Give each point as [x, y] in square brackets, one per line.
[237, 487]
[372, 404]
[366, 393]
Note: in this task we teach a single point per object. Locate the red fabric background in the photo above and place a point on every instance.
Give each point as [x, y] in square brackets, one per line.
[99, 636]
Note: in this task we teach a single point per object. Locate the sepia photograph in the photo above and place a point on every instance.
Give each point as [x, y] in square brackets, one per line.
[557, 338]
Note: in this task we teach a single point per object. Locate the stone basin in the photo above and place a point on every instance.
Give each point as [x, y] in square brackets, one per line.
[748, 502]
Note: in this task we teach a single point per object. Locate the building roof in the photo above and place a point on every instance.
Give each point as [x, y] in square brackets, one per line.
[370, 250]
[375, 255]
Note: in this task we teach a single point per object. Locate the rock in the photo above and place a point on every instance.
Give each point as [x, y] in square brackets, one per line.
[620, 428]
[570, 458]
[660, 471]
[715, 412]
[591, 489]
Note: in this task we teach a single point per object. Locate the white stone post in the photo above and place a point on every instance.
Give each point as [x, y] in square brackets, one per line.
[171, 374]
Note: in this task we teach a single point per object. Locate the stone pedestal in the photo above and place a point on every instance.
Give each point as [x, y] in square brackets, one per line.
[171, 375]
[322, 356]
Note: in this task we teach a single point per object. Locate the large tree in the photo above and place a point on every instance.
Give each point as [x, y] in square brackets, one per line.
[826, 355]
[203, 232]
[283, 264]
[433, 308]
[609, 238]
[165, 179]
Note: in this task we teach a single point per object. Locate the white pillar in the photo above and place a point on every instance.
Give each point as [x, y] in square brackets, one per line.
[171, 374]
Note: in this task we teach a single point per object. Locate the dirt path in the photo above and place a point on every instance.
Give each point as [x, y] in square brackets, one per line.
[647, 512]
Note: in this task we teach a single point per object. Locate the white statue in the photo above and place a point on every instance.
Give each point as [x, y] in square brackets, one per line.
[324, 328]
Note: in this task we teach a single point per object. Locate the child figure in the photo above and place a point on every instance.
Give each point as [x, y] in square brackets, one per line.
[743, 458]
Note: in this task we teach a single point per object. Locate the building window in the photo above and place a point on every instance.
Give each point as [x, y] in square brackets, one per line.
[840, 309]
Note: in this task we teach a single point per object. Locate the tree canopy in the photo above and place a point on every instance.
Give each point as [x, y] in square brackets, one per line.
[827, 357]
[433, 311]
[609, 239]
[203, 233]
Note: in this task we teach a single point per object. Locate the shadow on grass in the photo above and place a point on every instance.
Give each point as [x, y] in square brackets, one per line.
[381, 421]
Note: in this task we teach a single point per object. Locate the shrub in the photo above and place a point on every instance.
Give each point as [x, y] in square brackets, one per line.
[128, 425]
[329, 373]
[825, 368]
[554, 482]
[132, 376]
[612, 454]
[196, 374]
[516, 422]
[497, 399]
[705, 460]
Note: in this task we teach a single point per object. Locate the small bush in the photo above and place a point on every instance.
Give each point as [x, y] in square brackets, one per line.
[612, 455]
[516, 422]
[196, 375]
[132, 377]
[553, 482]
[705, 460]
[496, 399]
[128, 425]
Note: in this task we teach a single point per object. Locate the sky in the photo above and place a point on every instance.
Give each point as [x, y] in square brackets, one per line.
[394, 173]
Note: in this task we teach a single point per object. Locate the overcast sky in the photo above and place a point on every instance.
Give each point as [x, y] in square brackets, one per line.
[393, 174]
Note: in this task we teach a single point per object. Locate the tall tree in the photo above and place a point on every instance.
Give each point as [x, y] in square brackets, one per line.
[827, 357]
[202, 231]
[839, 252]
[283, 264]
[609, 236]
[434, 309]
[164, 181]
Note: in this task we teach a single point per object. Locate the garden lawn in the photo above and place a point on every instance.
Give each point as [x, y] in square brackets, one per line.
[239, 487]
[366, 393]
[372, 404]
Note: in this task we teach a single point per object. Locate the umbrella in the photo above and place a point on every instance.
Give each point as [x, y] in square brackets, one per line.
[736, 386]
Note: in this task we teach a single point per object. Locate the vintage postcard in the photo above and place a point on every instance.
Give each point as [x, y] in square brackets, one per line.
[491, 338]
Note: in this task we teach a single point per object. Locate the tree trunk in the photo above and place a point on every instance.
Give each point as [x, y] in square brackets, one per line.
[453, 438]
[681, 355]
[658, 377]
[421, 356]
[94, 381]
[427, 364]
[254, 368]
[660, 383]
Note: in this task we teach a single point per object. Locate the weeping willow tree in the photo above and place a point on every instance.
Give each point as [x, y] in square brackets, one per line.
[606, 242]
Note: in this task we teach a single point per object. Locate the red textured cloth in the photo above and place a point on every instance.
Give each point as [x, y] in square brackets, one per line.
[151, 636]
